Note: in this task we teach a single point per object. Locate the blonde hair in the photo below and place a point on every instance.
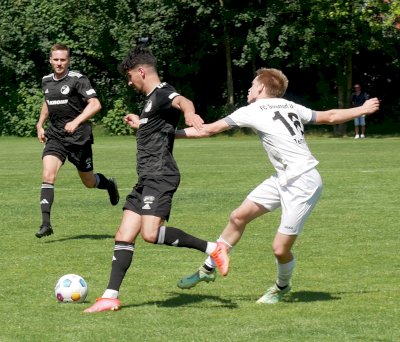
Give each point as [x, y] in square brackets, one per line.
[61, 47]
[274, 81]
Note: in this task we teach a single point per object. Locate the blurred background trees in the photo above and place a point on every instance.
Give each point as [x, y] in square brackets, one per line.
[208, 50]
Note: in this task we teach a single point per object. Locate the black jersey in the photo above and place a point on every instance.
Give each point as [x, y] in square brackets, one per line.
[156, 134]
[66, 99]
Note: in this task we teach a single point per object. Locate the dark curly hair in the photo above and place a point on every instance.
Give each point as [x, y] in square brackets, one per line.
[140, 55]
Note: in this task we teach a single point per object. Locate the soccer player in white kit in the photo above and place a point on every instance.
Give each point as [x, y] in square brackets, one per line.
[295, 187]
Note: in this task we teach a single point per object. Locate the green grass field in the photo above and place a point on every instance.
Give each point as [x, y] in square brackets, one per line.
[345, 287]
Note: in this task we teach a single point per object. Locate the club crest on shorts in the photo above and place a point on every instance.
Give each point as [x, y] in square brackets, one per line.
[148, 200]
[88, 162]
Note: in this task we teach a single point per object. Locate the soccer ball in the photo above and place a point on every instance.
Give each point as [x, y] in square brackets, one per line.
[71, 288]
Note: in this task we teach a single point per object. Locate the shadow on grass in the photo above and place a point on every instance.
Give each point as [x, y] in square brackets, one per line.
[309, 296]
[183, 299]
[83, 237]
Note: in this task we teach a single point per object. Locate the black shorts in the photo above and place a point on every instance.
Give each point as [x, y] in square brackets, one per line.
[79, 155]
[153, 196]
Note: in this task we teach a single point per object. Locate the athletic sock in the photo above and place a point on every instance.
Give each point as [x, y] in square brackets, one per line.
[108, 293]
[46, 201]
[101, 181]
[122, 259]
[285, 272]
[176, 237]
[209, 263]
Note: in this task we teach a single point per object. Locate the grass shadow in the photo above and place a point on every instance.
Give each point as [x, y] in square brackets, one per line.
[184, 299]
[309, 296]
[83, 237]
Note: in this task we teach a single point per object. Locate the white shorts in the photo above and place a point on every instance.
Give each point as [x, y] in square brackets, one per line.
[297, 199]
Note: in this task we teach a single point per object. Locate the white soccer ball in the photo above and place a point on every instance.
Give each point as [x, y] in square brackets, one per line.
[71, 288]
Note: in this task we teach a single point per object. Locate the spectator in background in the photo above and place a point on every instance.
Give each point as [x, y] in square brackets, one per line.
[357, 99]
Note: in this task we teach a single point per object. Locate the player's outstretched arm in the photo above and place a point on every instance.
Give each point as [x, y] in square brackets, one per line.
[186, 106]
[338, 116]
[205, 131]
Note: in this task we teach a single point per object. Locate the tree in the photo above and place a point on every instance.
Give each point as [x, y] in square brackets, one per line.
[320, 34]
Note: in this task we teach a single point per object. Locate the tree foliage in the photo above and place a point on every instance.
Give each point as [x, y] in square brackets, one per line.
[207, 49]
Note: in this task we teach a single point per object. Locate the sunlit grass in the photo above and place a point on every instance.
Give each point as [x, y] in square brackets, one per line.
[345, 287]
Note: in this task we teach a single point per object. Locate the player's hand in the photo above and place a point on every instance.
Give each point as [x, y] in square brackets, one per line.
[193, 120]
[40, 134]
[371, 106]
[70, 127]
[132, 120]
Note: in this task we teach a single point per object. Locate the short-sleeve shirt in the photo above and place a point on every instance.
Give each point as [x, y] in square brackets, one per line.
[66, 98]
[156, 134]
[279, 125]
[358, 100]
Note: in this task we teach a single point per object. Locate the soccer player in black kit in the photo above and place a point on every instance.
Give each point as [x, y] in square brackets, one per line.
[148, 206]
[69, 102]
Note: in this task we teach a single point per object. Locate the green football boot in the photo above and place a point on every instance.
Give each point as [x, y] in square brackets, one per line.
[200, 275]
[273, 295]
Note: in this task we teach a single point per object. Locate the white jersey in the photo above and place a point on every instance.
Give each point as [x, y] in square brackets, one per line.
[279, 125]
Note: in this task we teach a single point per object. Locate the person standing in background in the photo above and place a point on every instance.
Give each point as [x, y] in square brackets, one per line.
[357, 99]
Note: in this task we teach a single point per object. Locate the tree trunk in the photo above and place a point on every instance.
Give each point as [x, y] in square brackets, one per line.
[229, 76]
[228, 59]
[344, 85]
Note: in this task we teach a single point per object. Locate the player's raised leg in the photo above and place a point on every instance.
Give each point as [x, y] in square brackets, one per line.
[232, 233]
[99, 181]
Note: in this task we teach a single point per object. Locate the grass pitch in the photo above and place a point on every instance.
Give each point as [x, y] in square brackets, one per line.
[345, 286]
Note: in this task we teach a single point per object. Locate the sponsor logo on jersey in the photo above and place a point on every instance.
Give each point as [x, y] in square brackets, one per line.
[144, 120]
[148, 106]
[46, 91]
[148, 200]
[277, 106]
[56, 102]
[65, 90]
[90, 92]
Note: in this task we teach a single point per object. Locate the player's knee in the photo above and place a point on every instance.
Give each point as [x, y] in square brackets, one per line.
[280, 251]
[149, 234]
[49, 178]
[235, 219]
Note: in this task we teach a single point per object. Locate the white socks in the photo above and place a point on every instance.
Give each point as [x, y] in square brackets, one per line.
[284, 273]
[110, 294]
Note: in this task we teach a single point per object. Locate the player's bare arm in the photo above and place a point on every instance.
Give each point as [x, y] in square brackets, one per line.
[205, 131]
[338, 116]
[186, 106]
[92, 108]
[44, 114]
[132, 120]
